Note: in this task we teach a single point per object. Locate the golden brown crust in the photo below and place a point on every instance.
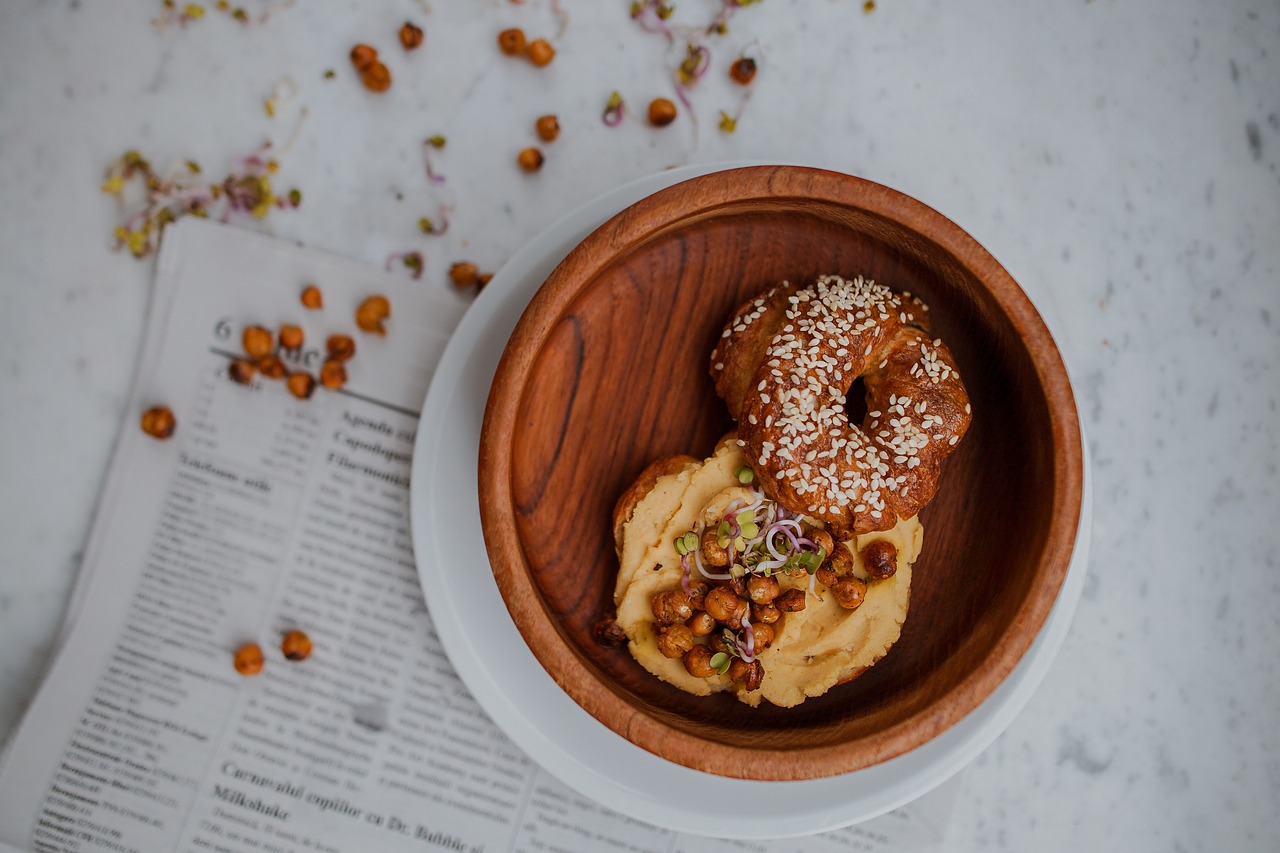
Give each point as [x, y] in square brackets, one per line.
[789, 397]
[746, 336]
[642, 486]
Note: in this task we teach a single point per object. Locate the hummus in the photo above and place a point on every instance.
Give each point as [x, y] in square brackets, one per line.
[814, 648]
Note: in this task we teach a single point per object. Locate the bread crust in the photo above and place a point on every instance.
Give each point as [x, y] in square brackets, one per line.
[783, 366]
[642, 485]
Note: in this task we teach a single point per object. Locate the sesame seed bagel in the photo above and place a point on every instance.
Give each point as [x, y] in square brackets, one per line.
[784, 365]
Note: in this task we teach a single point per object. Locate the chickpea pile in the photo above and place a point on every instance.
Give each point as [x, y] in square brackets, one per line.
[707, 626]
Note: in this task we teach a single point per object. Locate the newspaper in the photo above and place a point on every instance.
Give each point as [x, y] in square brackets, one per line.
[265, 513]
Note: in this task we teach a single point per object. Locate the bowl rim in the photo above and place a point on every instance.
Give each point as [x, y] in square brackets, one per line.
[632, 226]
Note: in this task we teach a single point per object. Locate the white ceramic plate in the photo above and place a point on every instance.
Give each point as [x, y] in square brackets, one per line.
[511, 686]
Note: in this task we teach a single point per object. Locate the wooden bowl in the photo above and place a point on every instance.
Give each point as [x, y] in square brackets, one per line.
[607, 370]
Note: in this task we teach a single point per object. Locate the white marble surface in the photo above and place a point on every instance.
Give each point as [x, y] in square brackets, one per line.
[1122, 159]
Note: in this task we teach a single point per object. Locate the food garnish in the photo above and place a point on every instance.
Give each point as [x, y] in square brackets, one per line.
[168, 198]
[547, 128]
[614, 109]
[371, 314]
[301, 384]
[530, 159]
[411, 36]
[159, 422]
[248, 659]
[311, 298]
[411, 260]
[661, 112]
[295, 645]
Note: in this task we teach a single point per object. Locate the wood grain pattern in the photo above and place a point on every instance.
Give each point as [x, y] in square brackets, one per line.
[607, 371]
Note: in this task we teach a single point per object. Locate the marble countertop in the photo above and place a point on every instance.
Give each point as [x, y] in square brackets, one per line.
[1121, 159]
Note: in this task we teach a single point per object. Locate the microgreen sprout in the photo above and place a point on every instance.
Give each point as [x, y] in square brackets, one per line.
[720, 25]
[744, 475]
[166, 198]
[696, 61]
[614, 109]
[412, 261]
[437, 142]
[436, 226]
[652, 16]
[720, 662]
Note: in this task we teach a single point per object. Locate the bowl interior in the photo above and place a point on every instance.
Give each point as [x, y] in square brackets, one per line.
[610, 371]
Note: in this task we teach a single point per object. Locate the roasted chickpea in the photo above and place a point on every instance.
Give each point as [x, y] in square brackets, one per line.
[698, 594]
[541, 52]
[248, 659]
[257, 342]
[762, 590]
[747, 675]
[340, 347]
[675, 640]
[333, 375]
[702, 623]
[609, 633]
[764, 614]
[295, 645]
[717, 643]
[790, 601]
[764, 635]
[841, 561]
[743, 70]
[880, 559]
[697, 662]
[825, 576]
[662, 111]
[371, 314]
[512, 42]
[363, 56]
[291, 337]
[850, 592]
[241, 370]
[271, 367]
[411, 36]
[159, 422]
[547, 128]
[671, 606]
[724, 605]
[376, 78]
[311, 298]
[822, 539]
[530, 159]
[301, 385]
[712, 553]
[464, 274]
